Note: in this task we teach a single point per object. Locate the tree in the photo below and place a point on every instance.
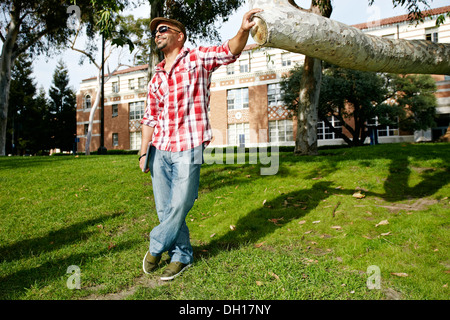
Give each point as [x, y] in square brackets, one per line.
[285, 25]
[197, 16]
[28, 113]
[117, 33]
[415, 97]
[39, 27]
[357, 98]
[289, 27]
[62, 109]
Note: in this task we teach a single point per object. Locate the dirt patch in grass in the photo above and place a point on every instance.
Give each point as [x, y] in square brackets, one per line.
[412, 205]
[142, 281]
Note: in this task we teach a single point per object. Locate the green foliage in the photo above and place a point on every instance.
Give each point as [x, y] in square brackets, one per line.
[199, 16]
[415, 96]
[62, 110]
[408, 102]
[29, 112]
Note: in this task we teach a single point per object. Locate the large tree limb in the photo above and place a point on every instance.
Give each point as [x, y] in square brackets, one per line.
[283, 25]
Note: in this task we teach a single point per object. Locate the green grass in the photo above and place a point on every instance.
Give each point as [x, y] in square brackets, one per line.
[299, 234]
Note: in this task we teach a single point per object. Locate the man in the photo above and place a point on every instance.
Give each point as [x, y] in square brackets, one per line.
[176, 123]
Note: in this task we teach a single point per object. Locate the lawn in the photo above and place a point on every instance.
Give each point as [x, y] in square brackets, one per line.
[314, 230]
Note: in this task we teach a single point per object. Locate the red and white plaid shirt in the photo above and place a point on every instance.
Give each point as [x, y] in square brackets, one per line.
[177, 101]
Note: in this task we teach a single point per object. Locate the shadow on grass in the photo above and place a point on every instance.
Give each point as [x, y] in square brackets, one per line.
[396, 184]
[274, 214]
[18, 282]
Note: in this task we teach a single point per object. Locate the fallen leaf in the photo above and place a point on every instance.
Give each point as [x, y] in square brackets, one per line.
[264, 202]
[336, 227]
[259, 283]
[308, 232]
[259, 245]
[382, 223]
[274, 275]
[212, 235]
[359, 195]
[275, 221]
[318, 221]
[399, 274]
[385, 234]
[111, 245]
[232, 227]
[302, 222]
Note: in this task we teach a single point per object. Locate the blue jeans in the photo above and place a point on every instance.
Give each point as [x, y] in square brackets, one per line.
[175, 180]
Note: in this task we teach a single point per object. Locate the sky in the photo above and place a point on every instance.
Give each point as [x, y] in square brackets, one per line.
[346, 11]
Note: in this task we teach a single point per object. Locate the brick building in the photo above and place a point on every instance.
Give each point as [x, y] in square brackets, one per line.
[245, 97]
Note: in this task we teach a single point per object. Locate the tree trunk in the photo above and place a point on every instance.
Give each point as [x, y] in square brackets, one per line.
[156, 10]
[6, 61]
[307, 113]
[94, 107]
[285, 26]
[308, 108]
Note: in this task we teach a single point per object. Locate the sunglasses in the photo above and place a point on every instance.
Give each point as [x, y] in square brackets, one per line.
[163, 29]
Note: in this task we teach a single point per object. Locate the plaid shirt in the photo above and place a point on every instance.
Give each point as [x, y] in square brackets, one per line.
[177, 101]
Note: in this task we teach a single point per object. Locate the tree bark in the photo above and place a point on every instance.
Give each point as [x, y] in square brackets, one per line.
[307, 112]
[308, 108]
[283, 25]
[6, 61]
[156, 10]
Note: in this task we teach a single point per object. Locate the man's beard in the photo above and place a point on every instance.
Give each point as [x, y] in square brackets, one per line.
[161, 45]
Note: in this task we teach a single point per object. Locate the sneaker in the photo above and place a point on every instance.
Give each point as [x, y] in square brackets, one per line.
[150, 263]
[174, 269]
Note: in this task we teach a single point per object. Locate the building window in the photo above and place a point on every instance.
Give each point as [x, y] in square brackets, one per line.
[137, 110]
[281, 131]
[115, 139]
[86, 129]
[325, 133]
[244, 65]
[87, 101]
[141, 82]
[230, 68]
[235, 131]
[285, 60]
[135, 140]
[274, 93]
[431, 34]
[237, 99]
[115, 110]
[384, 131]
[131, 84]
[115, 87]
